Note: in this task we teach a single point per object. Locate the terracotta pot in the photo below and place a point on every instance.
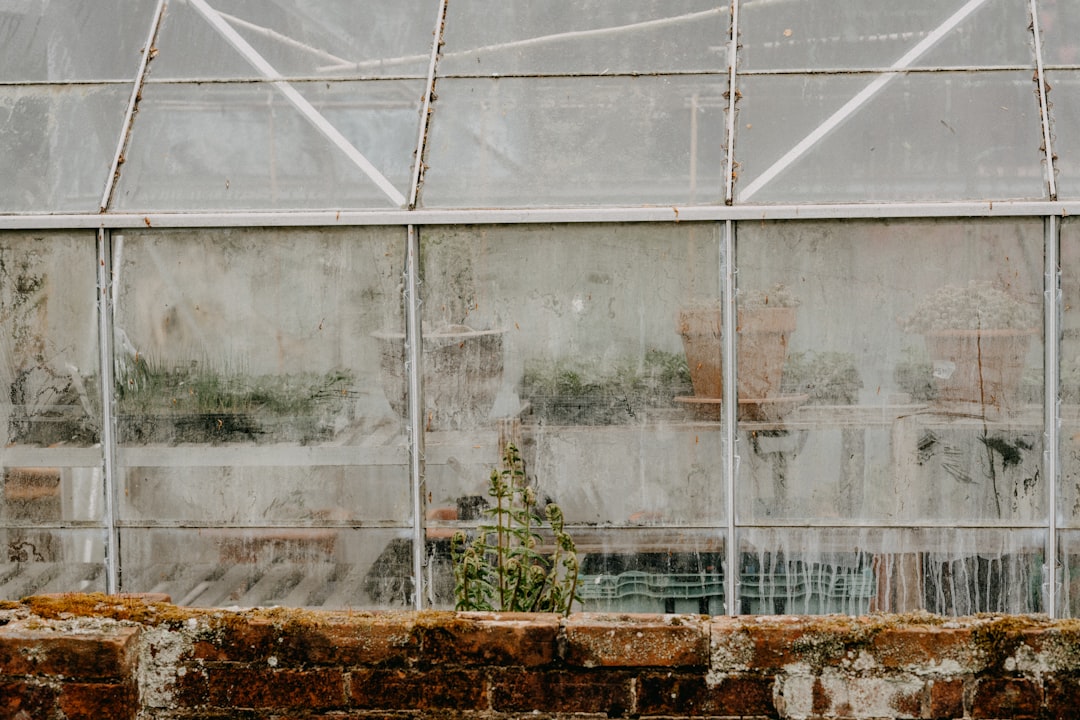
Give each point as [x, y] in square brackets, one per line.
[762, 350]
[979, 366]
[462, 374]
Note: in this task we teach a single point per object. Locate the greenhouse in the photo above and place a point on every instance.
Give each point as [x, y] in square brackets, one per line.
[779, 300]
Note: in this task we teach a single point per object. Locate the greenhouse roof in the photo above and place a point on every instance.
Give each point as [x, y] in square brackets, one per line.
[238, 107]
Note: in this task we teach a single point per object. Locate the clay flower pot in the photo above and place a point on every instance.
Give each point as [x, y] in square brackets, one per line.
[762, 347]
[978, 366]
[462, 374]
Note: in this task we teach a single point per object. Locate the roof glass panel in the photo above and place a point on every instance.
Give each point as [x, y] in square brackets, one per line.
[66, 40]
[875, 34]
[57, 144]
[271, 146]
[859, 138]
[595, 36]
[1059, 21]
[573, 141]
[1065, 121]
[298, 38]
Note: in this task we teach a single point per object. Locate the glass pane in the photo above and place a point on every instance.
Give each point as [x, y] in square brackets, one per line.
[1069, 574]
[57, 144]
[875, 34]
[530, 141]
[565, 341]
[236, 147]
[905, 385]
[852, 138]
[1059, 21]
[328, 568]
[298, 38]
[1064, 100]
[37, 561]
[65, 40]
[946, 571]
[571, 36]
[248, 389]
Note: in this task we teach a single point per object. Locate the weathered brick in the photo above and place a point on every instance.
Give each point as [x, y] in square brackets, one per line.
[680, 693]
[93, 701]
[506, 639]
[106, 653]
[997, 697]
[236, 686]
[26, 699]
[403, 689]
[1062, 696]
[636, 641]
[522, 690]
[947, 698]
[919, 645]
[313, 639]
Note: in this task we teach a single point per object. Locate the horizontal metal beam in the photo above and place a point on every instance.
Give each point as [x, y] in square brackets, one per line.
[699, 213]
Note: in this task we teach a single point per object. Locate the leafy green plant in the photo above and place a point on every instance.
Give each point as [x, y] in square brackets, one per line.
[575, 392]
[827, 377]
[502, 568]
[975, 306]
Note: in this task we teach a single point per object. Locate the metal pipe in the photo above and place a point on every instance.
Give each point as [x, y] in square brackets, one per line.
[1052, 308]
[414, 367]
[505, 216]
[731, 404]
[108, 440]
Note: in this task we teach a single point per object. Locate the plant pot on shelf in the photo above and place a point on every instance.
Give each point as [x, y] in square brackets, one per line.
[462, 374]
[984, 367]
[762, 349]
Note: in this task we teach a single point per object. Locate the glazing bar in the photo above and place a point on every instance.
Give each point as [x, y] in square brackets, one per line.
[129, 114]
[108, 441]
[1052, 304]
[414, 368]
[1044, 107]
[425, 113]
[731, 456]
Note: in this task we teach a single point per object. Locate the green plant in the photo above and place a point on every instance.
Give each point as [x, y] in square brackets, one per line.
[502, 568]
[827, 377]
[975, 306]
[575, 392]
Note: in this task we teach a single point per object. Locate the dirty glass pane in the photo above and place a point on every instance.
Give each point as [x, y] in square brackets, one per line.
[594, 37]
[298, 38]
[57, 144]
[248, 146]
[945, 571]
[39, 560]
[574, 141]
[565, 341]
[875, 34]
[1069, 574]
[853, 138]
[64, 40]
[50, 413]
[1064, 98]
[1059, 21]
[248, 380]
[905, 385]
[301, 567]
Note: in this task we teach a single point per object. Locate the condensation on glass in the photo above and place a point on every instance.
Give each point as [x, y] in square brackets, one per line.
[251, 425]
[52, 494]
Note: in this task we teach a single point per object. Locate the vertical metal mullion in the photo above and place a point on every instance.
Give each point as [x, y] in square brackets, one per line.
[414, 356]
[733, 56]
[731, 460]
[413, 368]
[1052, 308]
[108, 440]
[1044, 106]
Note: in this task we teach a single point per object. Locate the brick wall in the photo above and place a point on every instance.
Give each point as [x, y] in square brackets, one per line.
[95, 656]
